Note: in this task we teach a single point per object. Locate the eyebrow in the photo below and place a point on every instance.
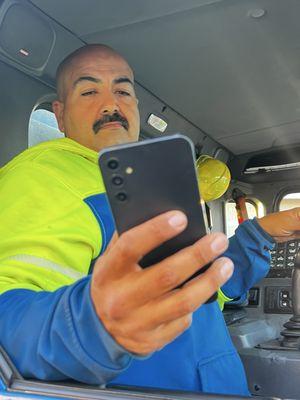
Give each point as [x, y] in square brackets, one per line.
[123, 80]
[96, 80]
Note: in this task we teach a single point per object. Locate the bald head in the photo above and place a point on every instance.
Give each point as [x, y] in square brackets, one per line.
[98, 51]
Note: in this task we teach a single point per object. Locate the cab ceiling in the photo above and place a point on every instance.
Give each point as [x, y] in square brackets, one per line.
[231, 72]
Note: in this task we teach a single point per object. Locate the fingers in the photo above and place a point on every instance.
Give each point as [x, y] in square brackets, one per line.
[176, 269]
[169, 332]
[189, 298]
[112, 242]
[282, 224]
[140, 240]
[140, 308]
[158, 323]
[145, 342]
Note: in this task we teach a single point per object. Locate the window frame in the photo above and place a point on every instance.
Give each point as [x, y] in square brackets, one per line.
[282, 193]
[259, 206]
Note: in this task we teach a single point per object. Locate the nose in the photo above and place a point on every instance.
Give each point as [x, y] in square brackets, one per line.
[109, 104]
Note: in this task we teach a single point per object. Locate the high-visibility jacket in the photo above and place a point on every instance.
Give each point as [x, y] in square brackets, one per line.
[55, 221]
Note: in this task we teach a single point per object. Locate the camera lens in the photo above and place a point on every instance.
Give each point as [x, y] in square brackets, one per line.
[117, 180]
[113, 164]
[121, 196]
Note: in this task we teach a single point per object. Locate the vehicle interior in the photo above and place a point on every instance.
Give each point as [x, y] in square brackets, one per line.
[226, 73]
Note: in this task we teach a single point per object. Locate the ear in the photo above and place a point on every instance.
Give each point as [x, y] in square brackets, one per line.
[58, 109]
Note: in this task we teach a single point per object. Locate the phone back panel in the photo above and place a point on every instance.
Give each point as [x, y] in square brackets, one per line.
[154, 176]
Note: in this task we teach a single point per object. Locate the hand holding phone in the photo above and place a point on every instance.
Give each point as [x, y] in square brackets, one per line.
[144, 309]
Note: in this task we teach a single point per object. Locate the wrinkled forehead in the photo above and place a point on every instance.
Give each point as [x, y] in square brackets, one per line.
[97, 64]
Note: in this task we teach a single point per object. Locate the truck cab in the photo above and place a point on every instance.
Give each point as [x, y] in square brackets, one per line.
[226, 74]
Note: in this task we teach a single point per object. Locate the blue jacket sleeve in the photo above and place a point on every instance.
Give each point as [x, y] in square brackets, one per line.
[249, 249]
[57, 335]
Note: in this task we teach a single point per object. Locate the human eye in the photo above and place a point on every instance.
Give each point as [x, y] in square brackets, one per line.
[89, 93]
[123, 92]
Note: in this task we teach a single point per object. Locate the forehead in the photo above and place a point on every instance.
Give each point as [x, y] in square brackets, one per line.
[98, 65]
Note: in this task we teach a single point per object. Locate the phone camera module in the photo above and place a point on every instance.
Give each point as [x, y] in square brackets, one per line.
[121, 196]
[117, 180]
[113, 163]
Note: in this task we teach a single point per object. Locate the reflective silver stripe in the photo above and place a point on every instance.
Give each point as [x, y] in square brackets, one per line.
[46, 264]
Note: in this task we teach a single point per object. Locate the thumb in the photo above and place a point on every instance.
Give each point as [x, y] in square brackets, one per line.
[112, 241]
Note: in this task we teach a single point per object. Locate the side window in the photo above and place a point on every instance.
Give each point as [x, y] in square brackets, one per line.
[254, 208]
[290, 200]
[42, 127]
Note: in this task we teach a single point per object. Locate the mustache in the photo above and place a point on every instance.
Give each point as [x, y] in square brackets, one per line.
[107, 118]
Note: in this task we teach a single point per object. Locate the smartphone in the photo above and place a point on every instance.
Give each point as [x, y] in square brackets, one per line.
[145, 179]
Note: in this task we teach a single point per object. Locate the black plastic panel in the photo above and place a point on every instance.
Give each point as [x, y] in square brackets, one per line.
[278, 300]
[283, 259]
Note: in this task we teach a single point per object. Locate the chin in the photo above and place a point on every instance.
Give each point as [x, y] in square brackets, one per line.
[113, 139]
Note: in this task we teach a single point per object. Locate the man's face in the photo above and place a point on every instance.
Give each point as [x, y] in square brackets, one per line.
[99, 108]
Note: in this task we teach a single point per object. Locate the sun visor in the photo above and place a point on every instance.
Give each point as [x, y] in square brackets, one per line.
[26, 36]
[274, 161]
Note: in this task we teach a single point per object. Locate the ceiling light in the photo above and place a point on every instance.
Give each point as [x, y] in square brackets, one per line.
[24, 52]
[256, 13]
[157, 122]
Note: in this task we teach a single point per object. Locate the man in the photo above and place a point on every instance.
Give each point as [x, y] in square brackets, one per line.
[121, 324]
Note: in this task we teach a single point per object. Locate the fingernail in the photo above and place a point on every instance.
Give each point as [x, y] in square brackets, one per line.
[227, 269]
[178, 220]
[219, 244]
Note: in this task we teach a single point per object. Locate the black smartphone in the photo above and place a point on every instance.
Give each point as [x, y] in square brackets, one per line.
[145, 179]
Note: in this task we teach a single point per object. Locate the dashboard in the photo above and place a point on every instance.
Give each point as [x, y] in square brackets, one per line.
[276, 293]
